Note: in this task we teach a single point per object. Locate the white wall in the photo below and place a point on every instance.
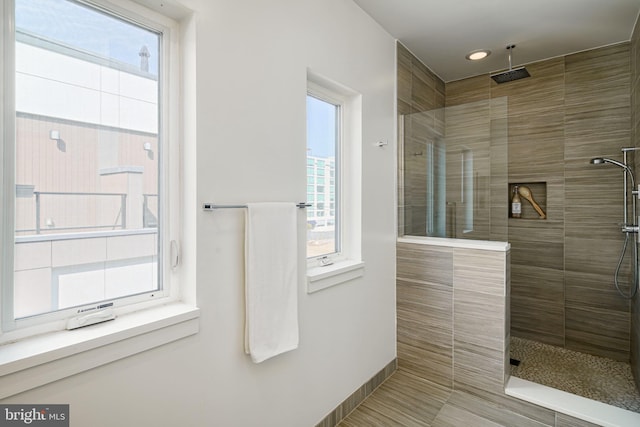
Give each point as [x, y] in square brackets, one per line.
[252, 58]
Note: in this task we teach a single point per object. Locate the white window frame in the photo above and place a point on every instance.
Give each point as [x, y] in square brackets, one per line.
[30, 348]
[321, 93]
[345, 265]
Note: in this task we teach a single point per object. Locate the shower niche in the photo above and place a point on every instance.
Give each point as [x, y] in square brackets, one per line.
[532, 197]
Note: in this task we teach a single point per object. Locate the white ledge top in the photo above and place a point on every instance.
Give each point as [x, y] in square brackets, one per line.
[575, 406]
[457, 243]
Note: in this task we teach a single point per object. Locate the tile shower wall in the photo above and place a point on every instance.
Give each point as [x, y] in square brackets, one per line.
[419, 90]
[635, 132]
[573, 108]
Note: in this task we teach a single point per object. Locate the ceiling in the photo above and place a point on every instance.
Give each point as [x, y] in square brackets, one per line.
[442, 32]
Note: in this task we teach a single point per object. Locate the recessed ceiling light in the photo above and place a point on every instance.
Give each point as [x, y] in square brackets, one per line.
[476, 55]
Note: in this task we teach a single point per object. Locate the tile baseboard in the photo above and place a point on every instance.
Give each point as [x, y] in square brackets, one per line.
[357, 397]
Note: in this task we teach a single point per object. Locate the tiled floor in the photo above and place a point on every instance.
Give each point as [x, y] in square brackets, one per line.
[403, 400]
[589, 376]
[409, 401]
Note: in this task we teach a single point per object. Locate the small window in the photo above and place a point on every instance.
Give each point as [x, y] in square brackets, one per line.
[334, 148]
[323, 139]
[89, 225]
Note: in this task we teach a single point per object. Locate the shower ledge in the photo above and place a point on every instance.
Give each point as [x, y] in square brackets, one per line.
[457, 243]
[570, 404]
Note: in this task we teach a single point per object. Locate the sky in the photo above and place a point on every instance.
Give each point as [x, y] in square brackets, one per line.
[321, 122]
[87, 29]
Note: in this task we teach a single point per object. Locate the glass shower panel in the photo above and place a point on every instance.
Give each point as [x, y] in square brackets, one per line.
[453, 172]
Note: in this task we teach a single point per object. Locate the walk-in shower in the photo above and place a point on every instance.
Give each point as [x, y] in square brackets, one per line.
[455, 182]
[629, 228]
[464, 146]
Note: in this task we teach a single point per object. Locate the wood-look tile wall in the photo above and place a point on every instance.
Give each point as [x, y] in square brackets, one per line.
[424, 297]
[420, 110]
[441, 294]
[478, 127]
[478, 130]
[635, 134]
[453, 323]
[597, 124]
[570, 110]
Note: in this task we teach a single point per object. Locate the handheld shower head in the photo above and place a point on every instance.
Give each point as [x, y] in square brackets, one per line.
[627, 169]
[603, 160]
[627, 227]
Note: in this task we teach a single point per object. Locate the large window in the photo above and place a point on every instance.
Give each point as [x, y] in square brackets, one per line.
[323, 139]
[85, 148]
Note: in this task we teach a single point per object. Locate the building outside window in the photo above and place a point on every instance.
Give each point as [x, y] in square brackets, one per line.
[87, 217]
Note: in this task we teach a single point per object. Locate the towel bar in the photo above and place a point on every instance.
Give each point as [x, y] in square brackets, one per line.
[211, 206]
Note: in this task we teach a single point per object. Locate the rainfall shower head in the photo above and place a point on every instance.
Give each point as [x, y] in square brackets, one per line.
[512, 73]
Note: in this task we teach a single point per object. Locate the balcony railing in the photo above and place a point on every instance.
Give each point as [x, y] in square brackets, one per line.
[82, 211]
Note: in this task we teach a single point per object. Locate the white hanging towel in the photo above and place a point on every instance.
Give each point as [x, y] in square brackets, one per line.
[271, 275]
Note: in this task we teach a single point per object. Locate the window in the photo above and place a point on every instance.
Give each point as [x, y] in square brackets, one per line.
[87, 149]
[323, 142]
[333, 162]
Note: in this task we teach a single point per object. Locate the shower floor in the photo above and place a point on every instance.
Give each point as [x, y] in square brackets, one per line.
[593, 377]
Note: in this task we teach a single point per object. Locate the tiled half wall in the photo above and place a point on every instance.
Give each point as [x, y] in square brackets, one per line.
[453, 318]
[452, 305]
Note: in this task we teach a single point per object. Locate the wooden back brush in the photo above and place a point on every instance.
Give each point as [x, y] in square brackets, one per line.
[525, 193]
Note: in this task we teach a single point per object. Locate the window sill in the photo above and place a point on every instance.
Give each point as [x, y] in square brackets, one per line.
[319, 278]
[36, 361]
